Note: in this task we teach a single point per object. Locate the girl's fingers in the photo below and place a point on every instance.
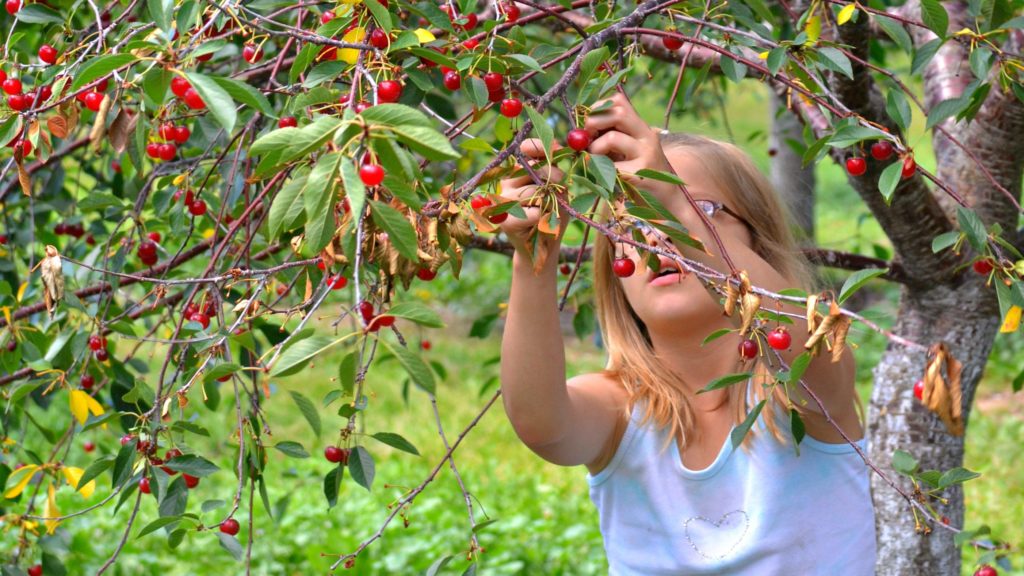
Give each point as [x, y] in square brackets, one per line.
[622, 117]
[617, 145]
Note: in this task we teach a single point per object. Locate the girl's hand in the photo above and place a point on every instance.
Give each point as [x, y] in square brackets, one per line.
[523, 188]
[630, 143]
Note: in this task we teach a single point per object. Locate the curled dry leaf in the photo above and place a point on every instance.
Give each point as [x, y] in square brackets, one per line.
[749, 305]
[58, 126]
[943, 395]
[23, 178]
[53, 279]
[827, 325]
[121, 129]
[732, 295]
[812, 313]
[99, 124]
[839, 331]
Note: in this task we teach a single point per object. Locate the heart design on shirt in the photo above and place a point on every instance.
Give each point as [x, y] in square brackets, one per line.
[716, 540]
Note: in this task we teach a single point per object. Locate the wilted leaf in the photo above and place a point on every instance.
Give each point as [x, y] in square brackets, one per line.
[942, 395]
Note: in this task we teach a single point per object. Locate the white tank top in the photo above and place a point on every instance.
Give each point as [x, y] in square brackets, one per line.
[760, 513]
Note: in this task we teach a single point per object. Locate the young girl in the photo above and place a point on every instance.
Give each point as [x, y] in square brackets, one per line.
[702, 507]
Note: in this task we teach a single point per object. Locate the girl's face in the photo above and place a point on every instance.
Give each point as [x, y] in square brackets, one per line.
[673, 302]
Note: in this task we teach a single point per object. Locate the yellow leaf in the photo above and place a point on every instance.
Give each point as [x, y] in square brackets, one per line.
[1012, 320]
[813, 29]
[846, 13]
[763, 55]
[50, 510]
[179, 179]
[82, 404]
[21, 290]
[7, 314]
[19, 479]
[424, 35]
[353, 36]
[73, 475]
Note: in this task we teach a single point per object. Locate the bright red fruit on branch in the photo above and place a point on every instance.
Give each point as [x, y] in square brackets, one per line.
[88, 446]
[511, 11]
[93, 101]
[13, 6]
[748, 349]
[17, 102]
[881, 150]
[190, 481]
[671, 42]
[96, 342]
[623, 267]
[578, 139]
[379, 39]
[251, 54]
[201, 318]
[166, 131]
[230, 527]
[856, 165]
[154, 236]
[919, 389]
[193, 100]
[147, 252]
[181, 134]
[87, 381]
[426, 274]
[179, 86]
[494, 81]
[389, 91]
[511, 107]
[565, 269]
[338, 282]
[371, 174]
[986, 570]
[333, 454]
[452, 80]
[144, 486]
[327, 17]
[480, 202]
[983, 266]
[197, 208]
[287, 122]
[12, 86]
[909, 167]
[48, 54]
[36, 570]
[779, 339]
[167, 151]
[153, 150]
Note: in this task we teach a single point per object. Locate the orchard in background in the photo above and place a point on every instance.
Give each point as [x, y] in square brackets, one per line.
[245, 188]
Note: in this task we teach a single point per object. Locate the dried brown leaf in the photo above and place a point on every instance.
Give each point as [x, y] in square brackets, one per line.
[839, 331]
[23, 178]
[100, 123]
[812, 313]
[121, 129]
[732, 294]
[749, 305]
[941, 396]
[58, 126]
[53, 279]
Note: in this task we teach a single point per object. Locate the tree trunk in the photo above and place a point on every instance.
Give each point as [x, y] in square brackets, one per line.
[794, 183]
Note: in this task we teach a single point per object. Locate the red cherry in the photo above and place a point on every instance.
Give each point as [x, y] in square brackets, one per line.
[144, 485]
[326, 17]
[511, 107]
[147, 252]
[361, 105]
[251, 54]
[986, 570]
[909, 167]
[565, 269]
[338, 282]
[166, 131]
[193, 100]
[379, 39]
[103, 85]
[623, 267]
[287, 122]
[12, 86]
[87, 382]
[389, 91]
[172, 453]
[512, 11]
[190, 481]
[3, 239]
[983, 267]
[471, 44]
[671, 42]
[779, 339]
[88, 446]
[202, 319]
[366, 310]
[102, 355]
[496, 95]
[168, 151]
[426, 274]
[498, 218]
[179, 86]
[13, 6]
[578, 139]
[126, 439]
[945, 520]
[45, 92]
[18, 102]
[452, 80]
[197, 208]
[229, 526]
[3, 76]
[371, 174]
[35, 570]
[48, 54]
[26, 147]
[471, 21]
[97, 342]
[748, 349]
[333, 454]
[181, 134]
[919, 389]
[856, 165]
[881, 150]
[480, 202]
[205, 57]
[153, 150]
[494, 81]
[155, 237]
[93, 101]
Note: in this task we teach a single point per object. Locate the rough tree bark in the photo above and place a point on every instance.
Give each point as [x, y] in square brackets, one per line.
[794, 182]
[937, 303]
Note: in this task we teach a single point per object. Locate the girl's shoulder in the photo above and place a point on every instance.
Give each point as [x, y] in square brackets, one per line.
[607, 386]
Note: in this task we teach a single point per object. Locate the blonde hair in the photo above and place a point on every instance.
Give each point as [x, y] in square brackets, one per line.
[632, 360]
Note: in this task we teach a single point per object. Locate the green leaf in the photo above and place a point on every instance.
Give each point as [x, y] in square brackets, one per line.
[956, 476]
[896, 31]
[355, 190]
[543, 129]
[245, 94]
[945, 240]
[924, 53]
[835, 60]
[99, 66]
[799, 366]
[158, 524]
[591, 61]
[732, 69]
[161, 12]
[308, 410]
[604, 171]
[293, 449]
[396, 115]
[659, 176]
[427, 141]
[360, 465]
[220, 371]
[332, 485]
[396, 441]
[740, 432]
[318, 197]
[324, 72]
[192, 465]
[945, 109]
[527, 62]
[796, 426]
[400, 231]
[347, 370]
[36, 13]
[898, 109]
[935, 17]
[857, 280]
[715, 335]
[95, 469]
[439, 564]
[418, 313]
[889, 179]
[311, 137]
[903, 462]
[231, 544]
[1018, 382]
[973, 228]
[217, 100]
[776, 58]
[380, 13]
[852, 134]
[296, 356]
[724, 381]
[414, 366]
[288, 206]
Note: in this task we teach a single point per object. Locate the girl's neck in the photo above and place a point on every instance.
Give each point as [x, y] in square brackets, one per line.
[698, 365]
